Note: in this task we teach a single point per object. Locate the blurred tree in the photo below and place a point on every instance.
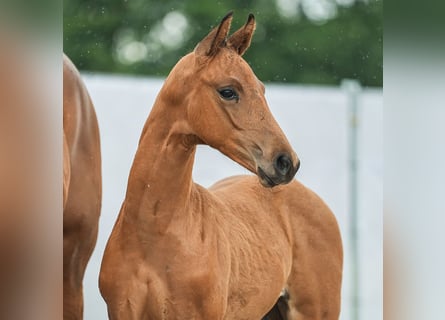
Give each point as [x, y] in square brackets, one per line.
[303, 41]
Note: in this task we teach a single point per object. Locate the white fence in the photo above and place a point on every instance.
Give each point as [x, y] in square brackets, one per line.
[317, 123]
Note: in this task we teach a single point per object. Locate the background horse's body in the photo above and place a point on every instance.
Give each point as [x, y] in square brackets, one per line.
[82, 189]
[180, 251]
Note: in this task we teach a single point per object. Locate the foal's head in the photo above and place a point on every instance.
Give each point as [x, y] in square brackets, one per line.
[226, 107]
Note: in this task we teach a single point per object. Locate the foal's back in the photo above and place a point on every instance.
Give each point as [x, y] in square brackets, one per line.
[293, 228]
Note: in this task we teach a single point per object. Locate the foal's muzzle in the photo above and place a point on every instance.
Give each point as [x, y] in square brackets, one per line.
[283, 171]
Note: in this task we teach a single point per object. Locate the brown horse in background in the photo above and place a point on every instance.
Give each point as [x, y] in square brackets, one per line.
[180, 251]
[30, 171]
[82, 187]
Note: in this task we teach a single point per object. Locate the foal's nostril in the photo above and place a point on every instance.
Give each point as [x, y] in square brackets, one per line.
[283, 164]
[297, 166]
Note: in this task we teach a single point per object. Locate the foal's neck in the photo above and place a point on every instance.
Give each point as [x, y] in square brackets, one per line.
[160, 182]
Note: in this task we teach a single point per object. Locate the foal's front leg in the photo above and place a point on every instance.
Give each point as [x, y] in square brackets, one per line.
[129, 299]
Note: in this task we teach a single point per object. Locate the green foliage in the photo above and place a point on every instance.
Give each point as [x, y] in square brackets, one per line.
[99, 34]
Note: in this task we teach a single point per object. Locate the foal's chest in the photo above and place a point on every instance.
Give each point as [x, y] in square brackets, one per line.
[187, 285]
[186, 290]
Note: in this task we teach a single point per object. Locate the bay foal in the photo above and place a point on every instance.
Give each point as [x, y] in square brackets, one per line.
[82, 187]
[180, 251]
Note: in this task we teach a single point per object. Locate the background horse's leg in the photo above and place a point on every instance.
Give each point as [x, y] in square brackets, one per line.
[78, 246]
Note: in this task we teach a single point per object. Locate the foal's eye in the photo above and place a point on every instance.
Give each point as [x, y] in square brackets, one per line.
[228, 94]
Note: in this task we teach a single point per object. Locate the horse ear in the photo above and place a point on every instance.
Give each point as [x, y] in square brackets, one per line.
[216, 39]
[240, 40]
